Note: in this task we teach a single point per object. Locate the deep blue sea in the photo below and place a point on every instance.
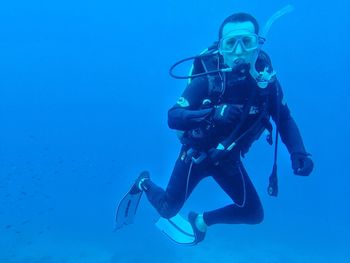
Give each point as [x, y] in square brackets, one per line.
[84, 95]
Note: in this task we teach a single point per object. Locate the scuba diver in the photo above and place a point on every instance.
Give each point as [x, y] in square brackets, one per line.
[230, 98]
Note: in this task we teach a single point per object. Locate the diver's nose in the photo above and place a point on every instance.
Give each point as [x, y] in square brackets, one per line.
[239, 49]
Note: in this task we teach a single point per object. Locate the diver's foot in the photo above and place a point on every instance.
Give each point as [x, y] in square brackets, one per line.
[198, 233]
[139, 184]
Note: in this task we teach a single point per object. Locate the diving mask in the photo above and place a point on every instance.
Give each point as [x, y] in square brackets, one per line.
[248, 41]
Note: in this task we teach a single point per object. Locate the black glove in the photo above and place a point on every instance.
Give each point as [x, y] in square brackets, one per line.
[226, 114]
[301, 164]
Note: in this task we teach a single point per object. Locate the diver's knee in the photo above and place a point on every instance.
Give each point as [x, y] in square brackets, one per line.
[257, 217]
[169, 209]
[168, 213]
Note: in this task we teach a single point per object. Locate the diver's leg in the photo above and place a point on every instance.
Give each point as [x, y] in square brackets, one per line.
[184, 178]
[247, 208]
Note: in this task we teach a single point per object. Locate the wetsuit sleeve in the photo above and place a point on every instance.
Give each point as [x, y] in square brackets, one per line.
[281, 115]
[186, 113]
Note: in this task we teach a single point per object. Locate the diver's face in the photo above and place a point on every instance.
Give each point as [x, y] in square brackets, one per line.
[236, 37]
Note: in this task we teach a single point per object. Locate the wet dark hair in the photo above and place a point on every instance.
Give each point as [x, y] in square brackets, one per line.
[239, 17]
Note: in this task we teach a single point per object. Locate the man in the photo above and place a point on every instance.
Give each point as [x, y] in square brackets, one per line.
[213, 108]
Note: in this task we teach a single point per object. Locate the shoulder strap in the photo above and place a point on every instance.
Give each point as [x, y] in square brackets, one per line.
[216, 87]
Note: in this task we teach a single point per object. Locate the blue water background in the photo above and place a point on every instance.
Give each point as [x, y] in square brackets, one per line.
[84, 94]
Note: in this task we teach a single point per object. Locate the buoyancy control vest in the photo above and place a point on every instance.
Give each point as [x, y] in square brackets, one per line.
[200, 138]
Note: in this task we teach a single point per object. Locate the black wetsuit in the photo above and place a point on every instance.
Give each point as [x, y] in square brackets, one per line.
[229, 173]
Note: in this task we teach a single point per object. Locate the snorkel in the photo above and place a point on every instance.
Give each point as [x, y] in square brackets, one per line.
[262, 78]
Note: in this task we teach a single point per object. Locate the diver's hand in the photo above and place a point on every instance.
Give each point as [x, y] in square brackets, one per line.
[226, 114]
[302, 164]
